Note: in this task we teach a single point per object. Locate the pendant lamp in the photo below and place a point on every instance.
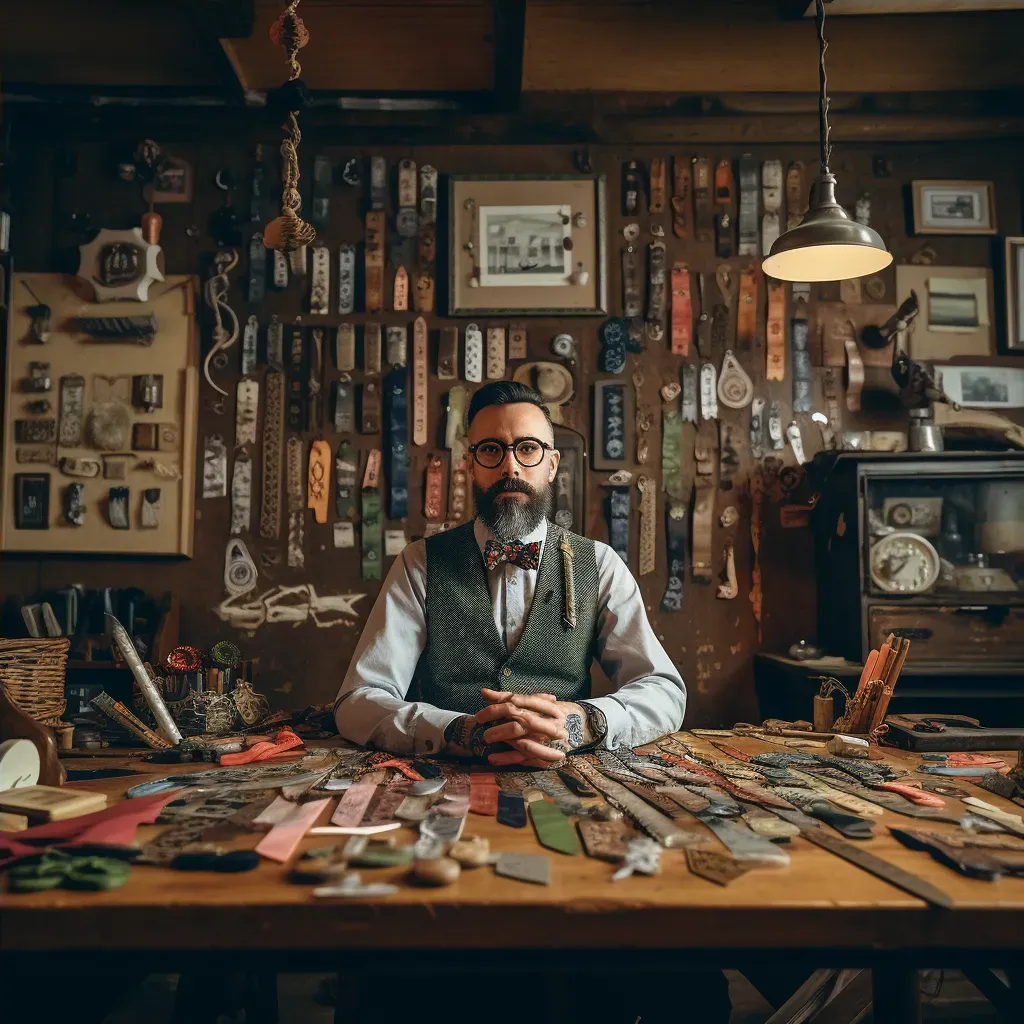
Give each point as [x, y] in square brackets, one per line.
[827, 245]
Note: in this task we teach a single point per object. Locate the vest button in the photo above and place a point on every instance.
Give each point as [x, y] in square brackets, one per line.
[508, 671]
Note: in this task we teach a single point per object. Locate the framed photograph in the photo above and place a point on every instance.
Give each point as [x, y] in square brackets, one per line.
[983, 387]
[171, 184]
[954, 207]
[956, 311]
[531, 245]
[1013, 267]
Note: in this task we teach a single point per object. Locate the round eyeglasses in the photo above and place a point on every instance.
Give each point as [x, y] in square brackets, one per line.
[528, 451]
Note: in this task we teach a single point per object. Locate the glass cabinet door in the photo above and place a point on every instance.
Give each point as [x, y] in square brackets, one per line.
[945, 537]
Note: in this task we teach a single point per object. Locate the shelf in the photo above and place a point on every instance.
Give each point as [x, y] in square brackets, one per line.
[843, 669]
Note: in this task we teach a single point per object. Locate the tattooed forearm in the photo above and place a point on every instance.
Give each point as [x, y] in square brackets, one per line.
[464, 737]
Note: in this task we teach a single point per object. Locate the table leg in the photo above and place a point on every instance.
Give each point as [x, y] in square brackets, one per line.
[896, 997]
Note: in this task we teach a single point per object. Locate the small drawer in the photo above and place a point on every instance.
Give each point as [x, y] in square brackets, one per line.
[952, 632]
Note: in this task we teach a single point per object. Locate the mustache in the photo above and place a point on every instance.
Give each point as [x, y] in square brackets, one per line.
[511, 485]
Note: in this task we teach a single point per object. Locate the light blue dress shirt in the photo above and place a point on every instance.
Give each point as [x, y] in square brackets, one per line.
[649, 697]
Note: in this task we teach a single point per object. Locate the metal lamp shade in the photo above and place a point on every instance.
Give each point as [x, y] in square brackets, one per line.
[826, 245]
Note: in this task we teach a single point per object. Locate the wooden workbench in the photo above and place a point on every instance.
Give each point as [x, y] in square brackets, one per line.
[820, 908]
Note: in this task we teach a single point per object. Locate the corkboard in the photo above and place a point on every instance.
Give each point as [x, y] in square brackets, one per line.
[70, 351]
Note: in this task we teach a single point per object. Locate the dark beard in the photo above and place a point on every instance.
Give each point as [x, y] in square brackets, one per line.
[512, 520]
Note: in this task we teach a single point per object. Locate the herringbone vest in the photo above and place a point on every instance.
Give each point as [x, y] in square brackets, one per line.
[464, 651]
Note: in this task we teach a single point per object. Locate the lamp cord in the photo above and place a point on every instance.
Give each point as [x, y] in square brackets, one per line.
[825, 131]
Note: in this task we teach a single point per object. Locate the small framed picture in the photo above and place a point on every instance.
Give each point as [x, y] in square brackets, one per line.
[983, 387]
[954, 207]
[172, 183]
[1013, 268]
[530, 245]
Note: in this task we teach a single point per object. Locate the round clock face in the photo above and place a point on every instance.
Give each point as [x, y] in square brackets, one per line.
[904, 563]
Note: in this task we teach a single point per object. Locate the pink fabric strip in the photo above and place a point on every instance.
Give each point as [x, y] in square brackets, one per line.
[456, 793]
[353, 803]
[283, 839]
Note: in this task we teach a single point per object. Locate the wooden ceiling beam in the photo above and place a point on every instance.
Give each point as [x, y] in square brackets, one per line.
[656, 47]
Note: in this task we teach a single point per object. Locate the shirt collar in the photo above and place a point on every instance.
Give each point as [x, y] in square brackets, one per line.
[483, 534]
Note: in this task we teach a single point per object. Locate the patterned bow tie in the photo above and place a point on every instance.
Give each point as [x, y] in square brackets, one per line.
[527, 556]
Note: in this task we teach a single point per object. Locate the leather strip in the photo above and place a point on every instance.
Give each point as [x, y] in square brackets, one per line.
[241, 493]
[796, 442]
[372, 529]
[648, 488]
[702, 198]
[374, 260]
[681, 198]
[72, 410]
[757, 425]
[483, 793]
[320, 284]
[423, 293]
[346, 468]
[344, 406]
[644, 419]
[257, 270]
[800, 359]
[495, 353]
[618, 521]
[474, 354]
[631, 188]
[369, 408]
[554, 831]
[703, 506]
[456, 442]
[318, 485]
[378, 183]
[346, 278]
[675, 544]
[345, 348]
[273, 434]
[406, 222]
[297, 261]
[729, 452]
[724, 189]
[296, 380]
[746, 310]
[279, 277]
[657, 279]
[275, 344]
[401, 290]
[771, 200]
[295, 494]
[433, 491]
[775, 341]
[397, 340]
[748, 205]
[517, 341]
[249, 339]
[371, 348]
[320, 207]
[682, 310]
[396, 396]
[632, 290]
[854, 373]
[659, 178]
[708, 392]
[428, 194]
[775, 425]
[257, 189]
[756, 525]
[671, 442]
[830, 389]
[419, 381]
[448, 354]
[247, 398]
[315, 382]
[689, 393]
[735, 388]
[796, 195]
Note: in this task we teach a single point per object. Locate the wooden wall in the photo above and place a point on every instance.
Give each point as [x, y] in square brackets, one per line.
[711, 640]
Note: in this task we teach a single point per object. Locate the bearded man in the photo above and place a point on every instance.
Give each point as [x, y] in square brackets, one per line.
[470, 649]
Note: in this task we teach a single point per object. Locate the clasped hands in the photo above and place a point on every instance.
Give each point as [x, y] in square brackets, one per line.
[535, 726]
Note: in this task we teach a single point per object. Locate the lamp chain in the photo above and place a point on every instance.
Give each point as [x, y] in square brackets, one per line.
[825, 131]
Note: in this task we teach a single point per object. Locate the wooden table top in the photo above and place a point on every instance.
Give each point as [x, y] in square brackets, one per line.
[819, 901]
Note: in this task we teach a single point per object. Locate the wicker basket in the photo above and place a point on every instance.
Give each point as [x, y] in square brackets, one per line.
[32, 673]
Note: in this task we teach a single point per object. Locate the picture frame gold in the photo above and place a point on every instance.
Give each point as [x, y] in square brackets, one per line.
[527, 245]
[951, 207]
[1013, 294]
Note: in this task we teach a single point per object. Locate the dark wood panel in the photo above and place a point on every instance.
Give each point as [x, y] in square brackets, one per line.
[711, 640]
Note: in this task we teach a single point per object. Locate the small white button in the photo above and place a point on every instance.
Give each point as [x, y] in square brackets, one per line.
[512, 582]
[508, 671]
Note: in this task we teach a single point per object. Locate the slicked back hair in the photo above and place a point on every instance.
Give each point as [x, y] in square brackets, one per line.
[506, 392]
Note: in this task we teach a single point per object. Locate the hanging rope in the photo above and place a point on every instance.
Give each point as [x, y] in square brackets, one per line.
[289, 231]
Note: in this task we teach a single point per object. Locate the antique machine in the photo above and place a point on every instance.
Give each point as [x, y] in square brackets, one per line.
[929, 546]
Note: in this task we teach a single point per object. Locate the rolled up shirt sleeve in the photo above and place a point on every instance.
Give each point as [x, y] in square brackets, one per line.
[371, 708]
[649, 699]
